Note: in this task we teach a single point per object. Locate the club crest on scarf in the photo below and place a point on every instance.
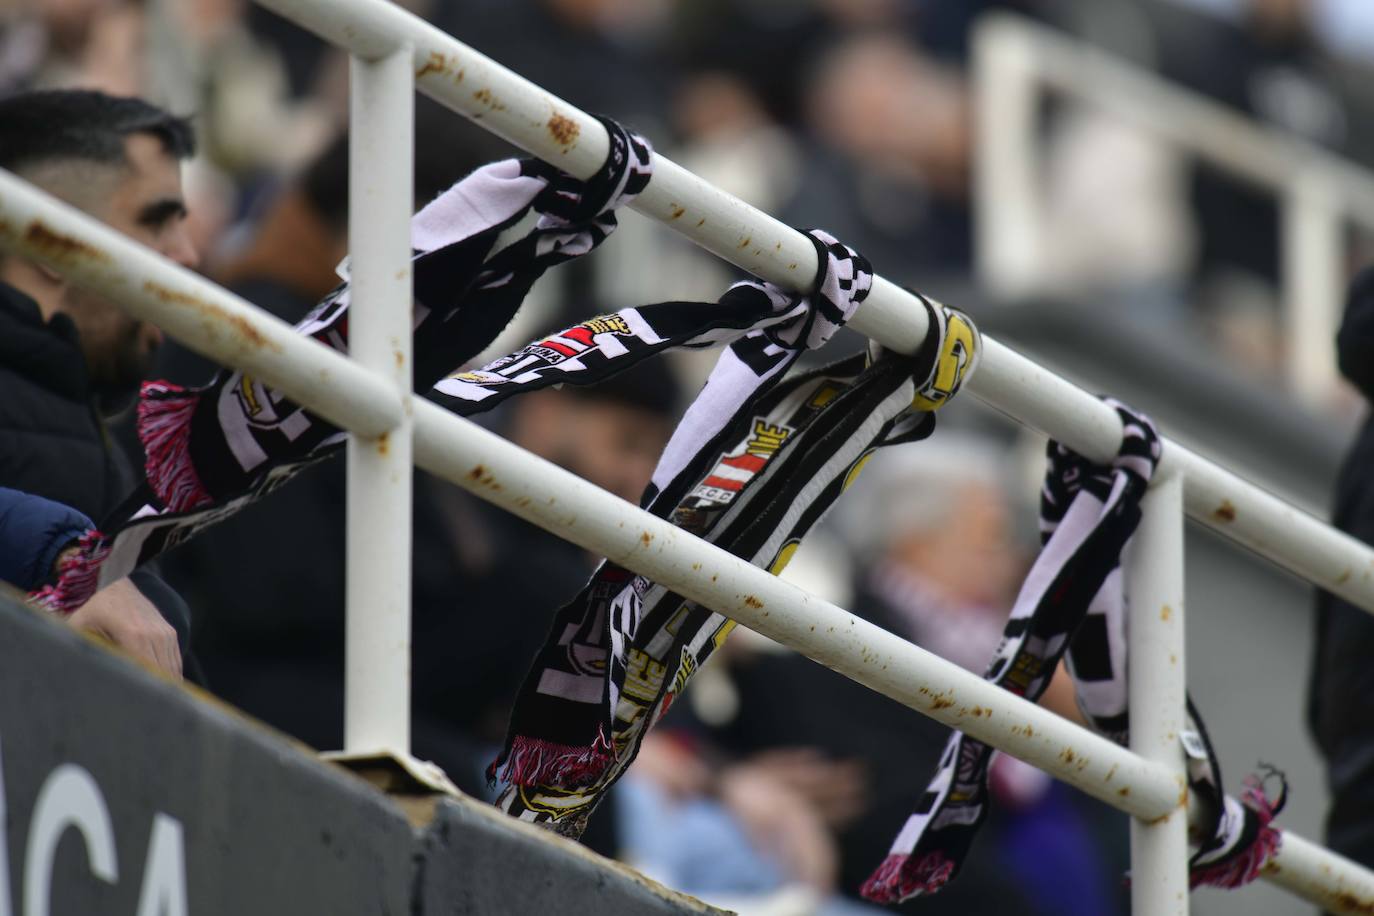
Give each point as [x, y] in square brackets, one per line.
[1072, 607]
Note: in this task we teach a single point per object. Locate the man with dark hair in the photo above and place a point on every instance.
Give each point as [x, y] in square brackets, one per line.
[69, 356]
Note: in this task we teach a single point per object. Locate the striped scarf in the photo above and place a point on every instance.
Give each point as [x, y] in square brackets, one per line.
[1073, 602]
[754, 465]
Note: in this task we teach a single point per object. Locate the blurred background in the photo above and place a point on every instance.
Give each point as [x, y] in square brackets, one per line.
[1071, 176]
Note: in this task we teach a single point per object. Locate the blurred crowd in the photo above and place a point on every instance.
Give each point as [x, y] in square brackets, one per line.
[785, 780]
[851, 114]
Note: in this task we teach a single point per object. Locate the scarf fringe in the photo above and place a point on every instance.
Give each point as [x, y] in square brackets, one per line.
[536, 762]
[1245, 866]
[903, 876]
[78, 576]
[164, 428]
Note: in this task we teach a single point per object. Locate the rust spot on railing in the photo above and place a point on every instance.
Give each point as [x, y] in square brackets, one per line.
[1067, 755]
[1344, 577]
[678, 211]
[476, 473]
[937, 700]
[59, 247]
[1124, 791]
[218, 315]
[701, 222]
[437, 63]
[753, 602]
[747, 240]
[564, 130]
[1349, 903]
[486, 98]
[1225, 512]
[384, 443]
[1165, 612]
[646, 539]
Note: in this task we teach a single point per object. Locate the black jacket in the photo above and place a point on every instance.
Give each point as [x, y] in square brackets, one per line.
[1341, 701]
[53, 439]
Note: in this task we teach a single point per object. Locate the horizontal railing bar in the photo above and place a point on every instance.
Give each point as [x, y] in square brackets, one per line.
[206, 317]
[577, 511]
[546, 126]
[1316, 874]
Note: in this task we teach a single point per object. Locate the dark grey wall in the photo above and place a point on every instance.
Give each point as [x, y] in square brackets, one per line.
[248, 823]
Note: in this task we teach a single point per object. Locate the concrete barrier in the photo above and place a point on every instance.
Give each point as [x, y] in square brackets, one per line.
[122, 793]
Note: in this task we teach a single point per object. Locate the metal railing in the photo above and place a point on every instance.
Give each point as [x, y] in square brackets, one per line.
[369, 395]
[1319, 193]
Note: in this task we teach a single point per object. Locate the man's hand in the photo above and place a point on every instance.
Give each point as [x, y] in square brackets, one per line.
[121, 614]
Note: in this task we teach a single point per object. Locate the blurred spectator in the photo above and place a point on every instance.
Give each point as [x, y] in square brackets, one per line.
[891, 173]
[506, 578]
[69, 357]
[607, 60]
[72, 44]
[1270, 66]
[205, 59]
[883, 163]
[1340, 708]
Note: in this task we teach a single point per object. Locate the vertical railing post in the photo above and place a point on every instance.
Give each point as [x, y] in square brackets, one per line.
[1005, 178]
[1154, 592]
[377, 644]
[1313, 259]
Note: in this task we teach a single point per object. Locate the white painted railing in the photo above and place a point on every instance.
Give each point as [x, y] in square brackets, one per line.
[1318, 193]
[369, 395]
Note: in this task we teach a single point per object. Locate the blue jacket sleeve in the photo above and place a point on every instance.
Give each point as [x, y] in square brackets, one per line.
[33, 531]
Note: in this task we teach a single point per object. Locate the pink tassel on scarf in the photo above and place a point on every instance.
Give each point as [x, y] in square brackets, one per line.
[78, 576]
[1246, 866]
[164, 427]
[535, 762]
[900, 877]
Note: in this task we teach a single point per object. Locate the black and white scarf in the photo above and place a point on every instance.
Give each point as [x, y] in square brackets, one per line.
[753, 466]
[1073, 601]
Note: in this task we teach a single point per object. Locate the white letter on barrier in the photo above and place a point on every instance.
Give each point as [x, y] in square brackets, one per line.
[164, 875]
[69, 798]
